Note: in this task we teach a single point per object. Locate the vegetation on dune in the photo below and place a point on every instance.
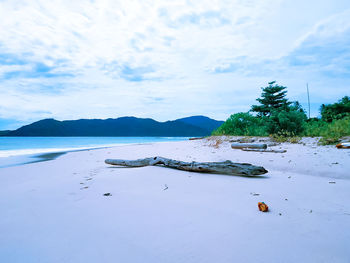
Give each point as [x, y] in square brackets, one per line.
[330, 132]
[285, 120]
[336, 111]
[242, 123]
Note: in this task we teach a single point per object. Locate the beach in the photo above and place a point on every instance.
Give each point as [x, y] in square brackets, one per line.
[76, 208]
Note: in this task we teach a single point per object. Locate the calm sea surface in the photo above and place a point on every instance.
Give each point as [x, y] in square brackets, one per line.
[19, 150]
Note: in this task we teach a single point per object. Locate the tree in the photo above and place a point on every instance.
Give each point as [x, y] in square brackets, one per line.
[336, 111]
[286, 122]
[273, 97]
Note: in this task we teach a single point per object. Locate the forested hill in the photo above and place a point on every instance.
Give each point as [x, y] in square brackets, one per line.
[124, 126]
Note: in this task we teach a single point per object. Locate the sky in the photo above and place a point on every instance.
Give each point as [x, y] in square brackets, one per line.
[167, 59]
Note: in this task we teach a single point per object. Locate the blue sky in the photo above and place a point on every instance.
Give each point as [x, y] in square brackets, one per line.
[167, 59]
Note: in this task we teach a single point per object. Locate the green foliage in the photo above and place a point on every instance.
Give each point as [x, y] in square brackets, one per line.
[289, 122]
[273, 97]
[334, 124]
[285, 137]
[285, 120]
[242, 123]
[314, 127]
[336, 111]
[330, 131]
[276, 115]
[296, 106]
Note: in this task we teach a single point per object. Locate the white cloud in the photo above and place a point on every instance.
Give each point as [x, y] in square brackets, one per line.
[100, 59]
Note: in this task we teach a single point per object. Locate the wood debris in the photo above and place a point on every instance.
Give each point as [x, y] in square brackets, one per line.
[226, 167]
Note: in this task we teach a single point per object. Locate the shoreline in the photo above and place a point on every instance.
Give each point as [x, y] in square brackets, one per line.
[215, 142]
[18, 160]
[76, 208]
[47, 154]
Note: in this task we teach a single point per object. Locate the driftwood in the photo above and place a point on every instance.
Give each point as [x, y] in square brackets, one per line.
[249, 145]
[243, 140]
[270, 144]
[196, 138]
[264, 150]
[227, 167]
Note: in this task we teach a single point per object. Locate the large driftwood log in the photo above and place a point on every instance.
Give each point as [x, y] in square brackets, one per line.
[249, 145]
[227, 167]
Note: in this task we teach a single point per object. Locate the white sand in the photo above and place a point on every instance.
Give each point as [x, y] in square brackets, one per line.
[47, 214]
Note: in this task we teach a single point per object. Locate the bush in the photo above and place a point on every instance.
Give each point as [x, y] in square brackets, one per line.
[288, 123]
[314, 127]
[285, 137]
[330, 131]
[242, 124]
[285, 120]
[336, 111]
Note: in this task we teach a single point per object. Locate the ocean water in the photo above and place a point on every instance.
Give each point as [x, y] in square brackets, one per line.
[21, 150]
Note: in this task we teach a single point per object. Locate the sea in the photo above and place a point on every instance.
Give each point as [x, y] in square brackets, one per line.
[22, 150]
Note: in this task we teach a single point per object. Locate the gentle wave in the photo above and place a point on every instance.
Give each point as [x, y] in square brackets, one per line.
[9, 153]
[30, 146]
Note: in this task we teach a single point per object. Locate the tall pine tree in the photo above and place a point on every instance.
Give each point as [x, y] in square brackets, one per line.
[273, 97]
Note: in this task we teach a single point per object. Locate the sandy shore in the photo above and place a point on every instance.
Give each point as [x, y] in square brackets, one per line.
[56, 211]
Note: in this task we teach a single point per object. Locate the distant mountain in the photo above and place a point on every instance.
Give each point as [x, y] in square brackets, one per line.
[202, 122]
[124, 126]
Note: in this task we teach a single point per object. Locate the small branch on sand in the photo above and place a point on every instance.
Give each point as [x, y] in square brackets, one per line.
[227, 167]
[263, 150]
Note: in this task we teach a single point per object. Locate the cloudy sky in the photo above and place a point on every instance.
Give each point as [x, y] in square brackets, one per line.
[167, 59]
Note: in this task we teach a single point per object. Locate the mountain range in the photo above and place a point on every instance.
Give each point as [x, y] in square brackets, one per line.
[124, 126]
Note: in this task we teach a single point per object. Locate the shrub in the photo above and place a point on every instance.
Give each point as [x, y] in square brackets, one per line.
[337, 111]
[241, 124]
[285, 137]
[330, 131]
[288, 123]
[314, 127]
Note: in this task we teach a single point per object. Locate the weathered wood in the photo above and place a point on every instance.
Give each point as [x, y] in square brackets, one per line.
[243, 140]
[271, 144]
[196, 138]
[227, 167]
[264, 150]
[249, 145]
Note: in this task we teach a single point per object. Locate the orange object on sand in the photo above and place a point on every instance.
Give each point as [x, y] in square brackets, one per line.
[263, 207]
[345, 145]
